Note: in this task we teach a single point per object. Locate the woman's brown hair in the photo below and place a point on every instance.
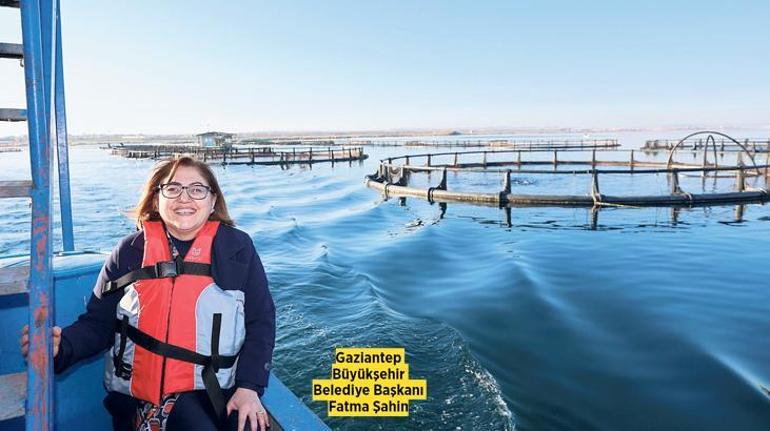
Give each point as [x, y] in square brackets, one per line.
[147, 209]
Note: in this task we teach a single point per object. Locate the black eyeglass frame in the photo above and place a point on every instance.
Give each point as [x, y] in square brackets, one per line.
[184, 189]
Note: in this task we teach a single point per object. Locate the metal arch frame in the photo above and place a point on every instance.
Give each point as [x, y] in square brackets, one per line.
[710, 137]
[710, 132]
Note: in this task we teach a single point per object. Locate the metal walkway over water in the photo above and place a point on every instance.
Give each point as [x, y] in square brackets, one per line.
[238, 155]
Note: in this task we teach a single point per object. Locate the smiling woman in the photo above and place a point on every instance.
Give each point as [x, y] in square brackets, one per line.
[184, 305]
[189, 196]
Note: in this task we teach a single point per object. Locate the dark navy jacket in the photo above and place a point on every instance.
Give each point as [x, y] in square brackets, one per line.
[235, 265]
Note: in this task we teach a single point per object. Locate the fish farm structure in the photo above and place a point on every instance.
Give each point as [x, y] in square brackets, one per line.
[699, 143]
[595, 178]
[237, 155]
[524, 144]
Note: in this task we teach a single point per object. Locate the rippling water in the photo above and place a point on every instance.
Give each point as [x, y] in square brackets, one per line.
[645, 322]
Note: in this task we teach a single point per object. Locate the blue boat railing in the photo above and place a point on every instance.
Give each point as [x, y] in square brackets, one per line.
[62, 147]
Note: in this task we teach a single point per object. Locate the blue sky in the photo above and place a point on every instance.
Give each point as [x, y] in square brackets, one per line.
[185, 67]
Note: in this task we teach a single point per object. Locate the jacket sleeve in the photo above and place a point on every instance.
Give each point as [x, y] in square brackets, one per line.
[254, 361]
[93, 331]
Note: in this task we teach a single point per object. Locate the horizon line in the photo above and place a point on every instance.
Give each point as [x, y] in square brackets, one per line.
[422, 131]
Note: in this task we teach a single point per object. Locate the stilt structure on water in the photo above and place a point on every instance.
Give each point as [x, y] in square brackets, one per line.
[523, 144]
[711, 140]
[238, 155]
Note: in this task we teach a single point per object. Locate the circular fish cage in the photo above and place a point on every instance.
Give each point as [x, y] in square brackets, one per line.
[596, 178]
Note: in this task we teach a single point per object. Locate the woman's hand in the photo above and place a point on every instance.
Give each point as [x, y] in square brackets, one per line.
[249, 406]
[24, 341]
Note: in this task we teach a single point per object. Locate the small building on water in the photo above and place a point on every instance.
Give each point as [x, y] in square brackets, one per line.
[214, 139]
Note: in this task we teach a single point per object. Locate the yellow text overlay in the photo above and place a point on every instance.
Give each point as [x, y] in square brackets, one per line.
[369, 382]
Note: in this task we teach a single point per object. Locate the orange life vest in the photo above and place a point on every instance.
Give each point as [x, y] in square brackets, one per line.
[176, 330]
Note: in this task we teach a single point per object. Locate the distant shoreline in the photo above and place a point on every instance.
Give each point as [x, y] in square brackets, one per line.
[102, 139]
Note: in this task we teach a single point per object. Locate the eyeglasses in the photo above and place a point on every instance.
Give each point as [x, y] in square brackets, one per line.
[174, 190]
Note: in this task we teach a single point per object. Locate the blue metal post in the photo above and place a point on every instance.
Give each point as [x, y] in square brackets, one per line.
[48, 43]
[40, 407]
[65, 198]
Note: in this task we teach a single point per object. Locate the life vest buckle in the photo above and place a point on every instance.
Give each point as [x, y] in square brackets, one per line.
[122, 369]
[167, 269]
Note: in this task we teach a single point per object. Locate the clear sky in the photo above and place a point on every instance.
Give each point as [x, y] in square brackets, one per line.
[189, 66]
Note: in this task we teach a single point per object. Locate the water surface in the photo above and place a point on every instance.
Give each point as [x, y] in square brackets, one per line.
[640, 321]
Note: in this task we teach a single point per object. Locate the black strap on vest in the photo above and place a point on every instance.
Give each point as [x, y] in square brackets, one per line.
[168, 269]
[211, 364]
[209, 373]
[122, 369]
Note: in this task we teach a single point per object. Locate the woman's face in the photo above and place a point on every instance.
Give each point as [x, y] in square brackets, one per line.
[185, 216]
